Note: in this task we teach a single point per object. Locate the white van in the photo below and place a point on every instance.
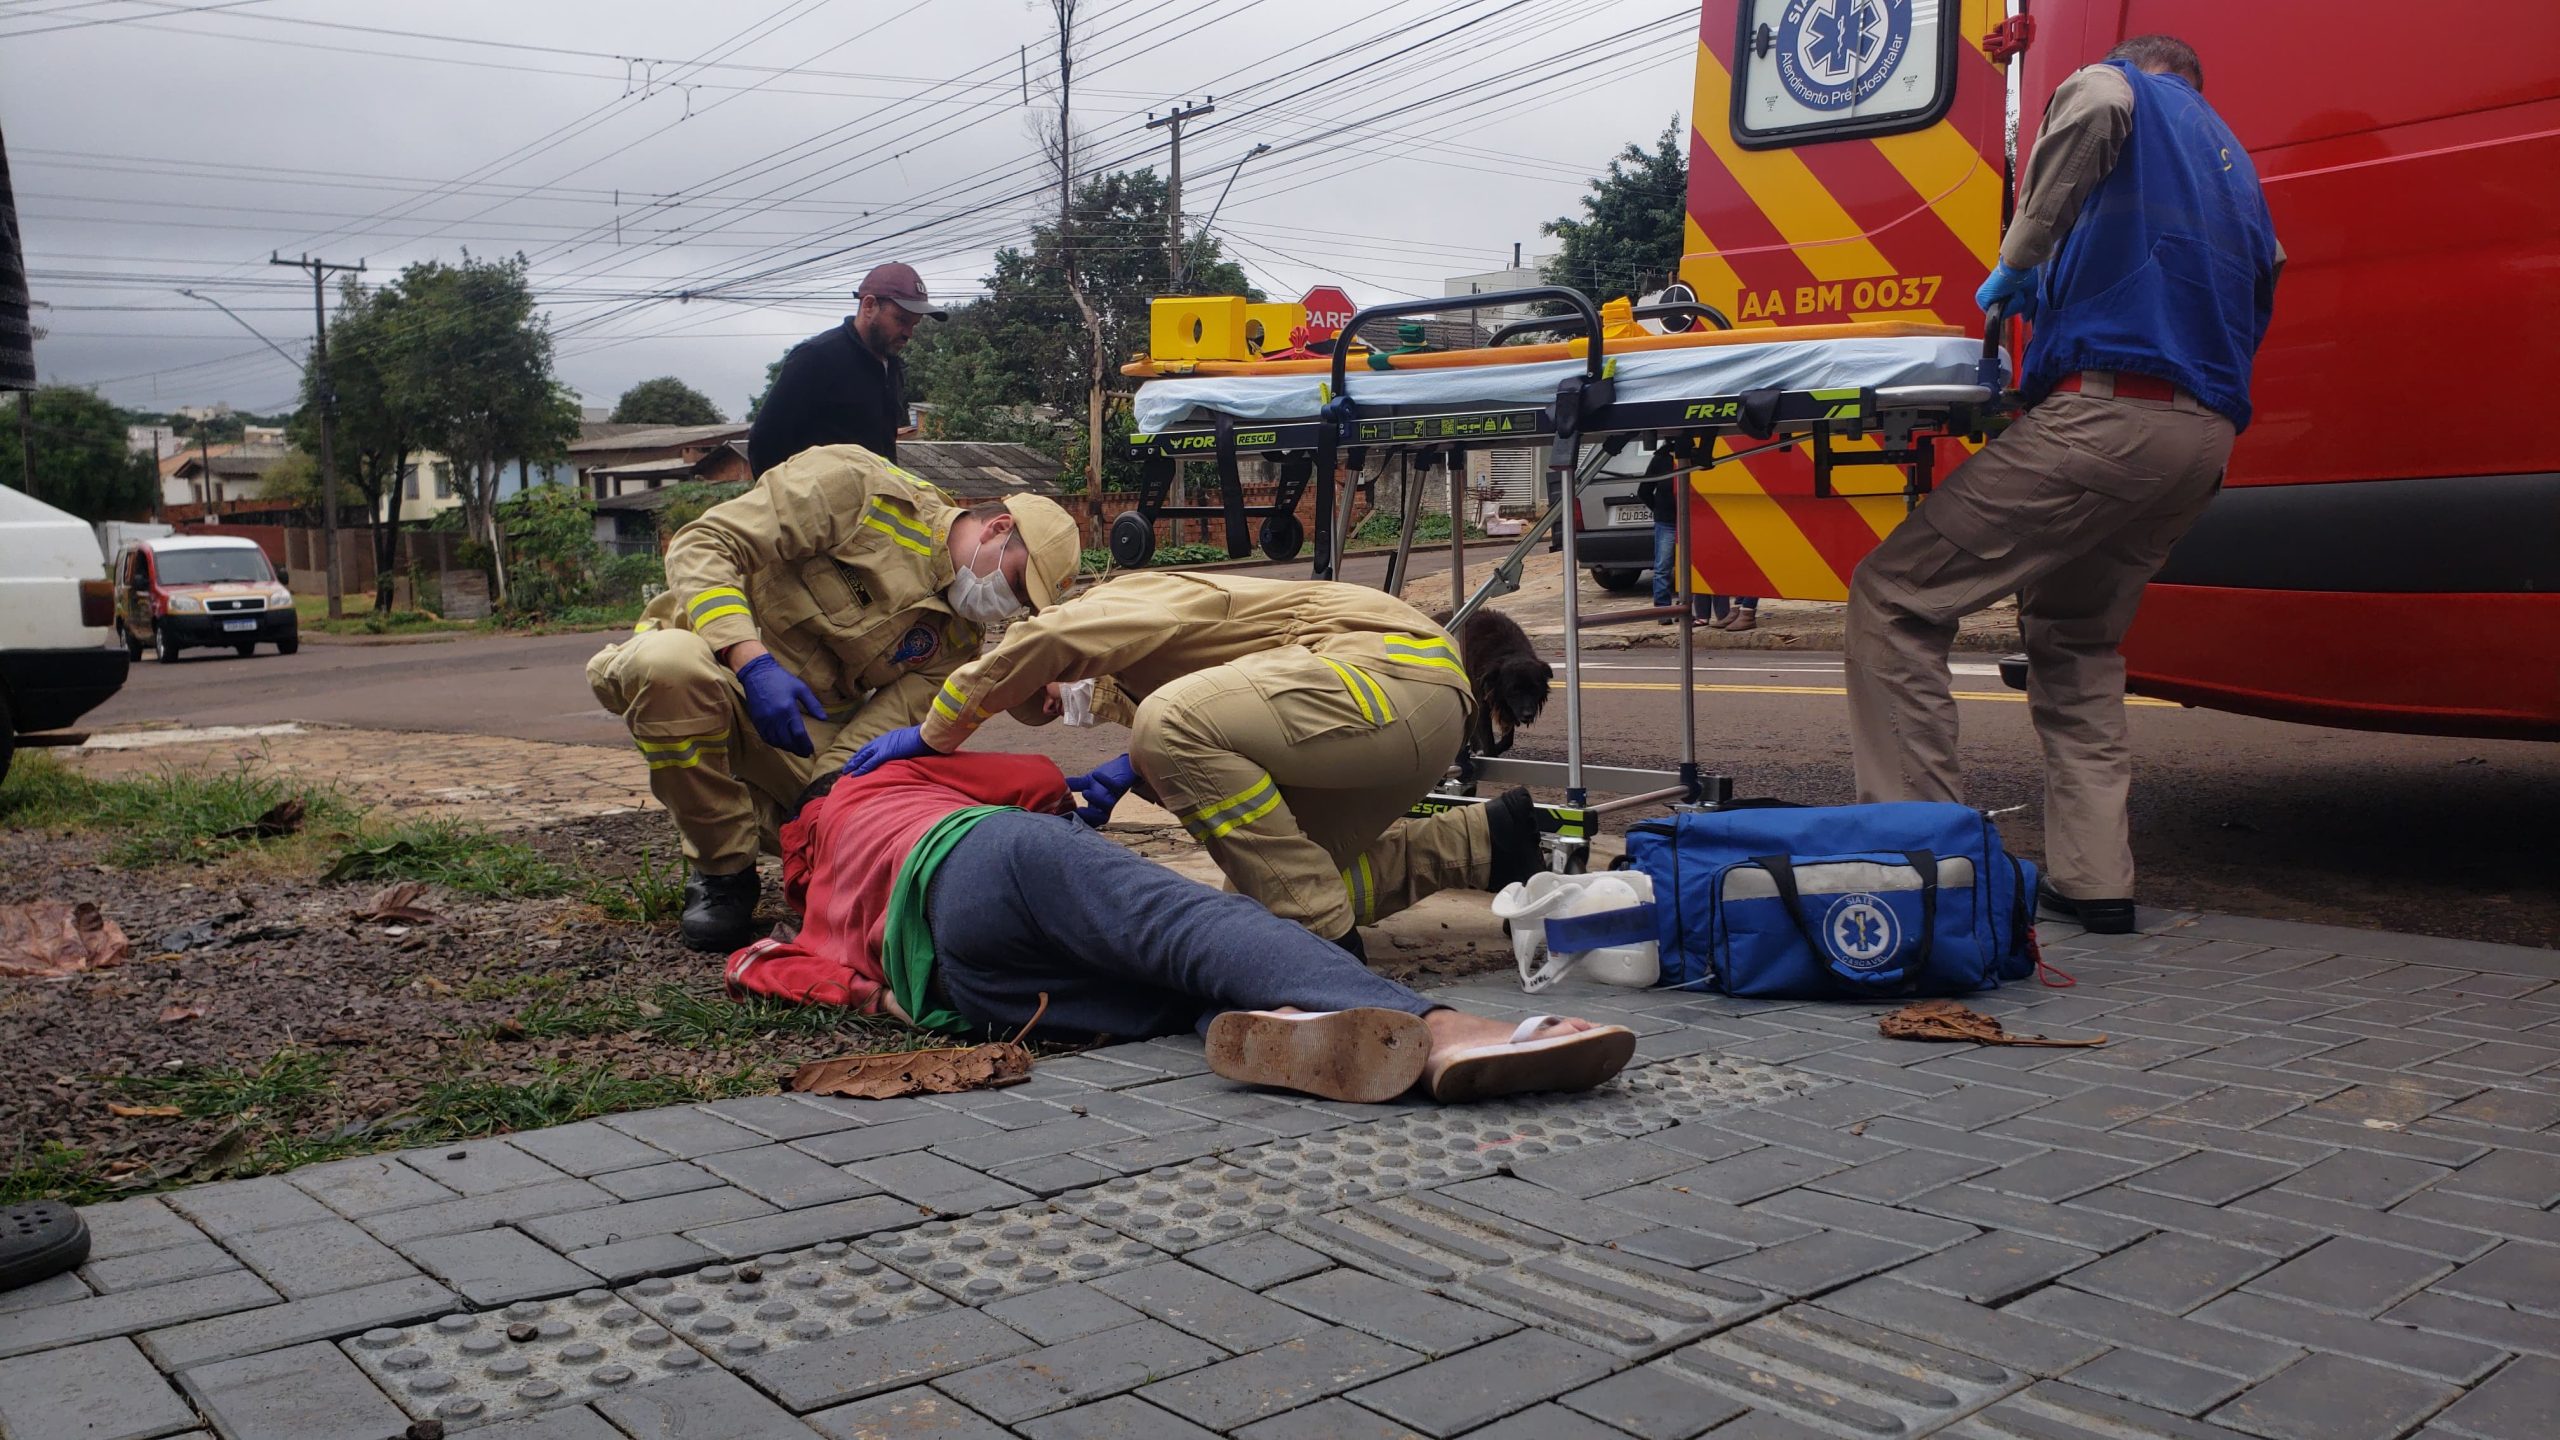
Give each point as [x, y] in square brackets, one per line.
[58, 656]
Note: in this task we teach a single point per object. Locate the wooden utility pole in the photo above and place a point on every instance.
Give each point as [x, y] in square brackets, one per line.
[328, 414]
[1172, 120]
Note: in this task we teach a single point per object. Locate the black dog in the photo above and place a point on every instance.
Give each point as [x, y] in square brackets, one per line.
[1510, 680]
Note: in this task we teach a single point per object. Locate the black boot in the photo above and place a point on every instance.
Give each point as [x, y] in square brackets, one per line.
[720, 910]
[1517, 854]
[1350, 940]
[2098, 917]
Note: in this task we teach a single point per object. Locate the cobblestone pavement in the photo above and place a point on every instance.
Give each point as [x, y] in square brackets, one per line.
[2303, 1193]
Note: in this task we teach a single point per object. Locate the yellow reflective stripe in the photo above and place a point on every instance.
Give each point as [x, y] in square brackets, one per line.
[950, 701]
[717, 601]
[1424, 650]
[681, 754]
[726, 610]
[897, 527]
[1361, 883]
[1220, 817]
[1364, 692]
[717, 740]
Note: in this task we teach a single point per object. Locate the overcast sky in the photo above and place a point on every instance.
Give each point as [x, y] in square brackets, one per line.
[766, 152]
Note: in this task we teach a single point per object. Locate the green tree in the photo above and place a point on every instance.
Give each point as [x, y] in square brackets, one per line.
[552, 554]
[665, 401]
[378, 423]
[957, 370]
[772, 372]
[1631, 232]
[81, 463]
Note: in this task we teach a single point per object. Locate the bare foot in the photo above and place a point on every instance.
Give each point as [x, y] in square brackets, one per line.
[1453, 1030]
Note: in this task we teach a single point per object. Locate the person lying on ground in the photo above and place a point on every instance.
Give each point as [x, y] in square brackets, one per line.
[957, 892]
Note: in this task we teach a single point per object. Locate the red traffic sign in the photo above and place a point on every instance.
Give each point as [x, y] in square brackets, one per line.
[1328, 309]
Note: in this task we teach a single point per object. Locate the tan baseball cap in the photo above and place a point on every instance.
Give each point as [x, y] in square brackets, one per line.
[902, 286]
[1055, 546]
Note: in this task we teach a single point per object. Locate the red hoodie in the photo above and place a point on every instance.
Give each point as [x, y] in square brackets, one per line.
[840, 861]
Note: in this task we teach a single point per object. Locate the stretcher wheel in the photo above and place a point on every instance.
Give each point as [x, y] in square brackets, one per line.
[1283, 537]
[1133, 540]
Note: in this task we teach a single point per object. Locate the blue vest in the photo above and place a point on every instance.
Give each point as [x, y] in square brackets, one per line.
[2170, 269]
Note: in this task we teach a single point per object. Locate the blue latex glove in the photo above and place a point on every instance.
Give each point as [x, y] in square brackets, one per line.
[775, 699]
[2005, 287]
[904, 743]
[1101, 788]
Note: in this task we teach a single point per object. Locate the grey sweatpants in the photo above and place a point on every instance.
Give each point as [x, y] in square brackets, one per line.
[1029, 904]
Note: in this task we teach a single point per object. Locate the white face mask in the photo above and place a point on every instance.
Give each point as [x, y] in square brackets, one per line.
[983, 599]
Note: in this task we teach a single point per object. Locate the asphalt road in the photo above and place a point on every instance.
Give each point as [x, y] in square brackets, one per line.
[2248, 816]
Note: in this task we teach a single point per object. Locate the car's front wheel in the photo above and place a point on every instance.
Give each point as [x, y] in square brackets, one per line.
[164, 646]
[288, 644]
[1616, 578]
[132, 646]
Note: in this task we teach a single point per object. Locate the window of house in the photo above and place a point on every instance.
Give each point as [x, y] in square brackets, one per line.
[1807, 70]
[409, 481]
[444, 479]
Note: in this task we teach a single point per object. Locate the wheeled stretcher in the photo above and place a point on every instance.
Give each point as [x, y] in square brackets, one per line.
[1715, 396]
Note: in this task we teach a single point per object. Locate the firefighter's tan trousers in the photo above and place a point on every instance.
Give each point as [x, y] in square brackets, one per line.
[1295, 771]
[725, 787]
[2073, 510]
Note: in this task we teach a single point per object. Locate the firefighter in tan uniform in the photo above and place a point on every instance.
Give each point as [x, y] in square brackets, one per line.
[801, 619]
[1288, 724]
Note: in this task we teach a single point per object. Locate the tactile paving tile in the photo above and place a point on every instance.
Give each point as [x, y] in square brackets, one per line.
[997, 1253]
[1183, 1207]
[733, 1311]
[468, 1370]
[1372, 1160]
[1843, 1376]
[1694, 1085]
[1622, 1303]
[1425, 1239]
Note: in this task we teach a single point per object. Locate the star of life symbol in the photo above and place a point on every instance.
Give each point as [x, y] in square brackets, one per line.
[1861, 931]
[1833, 54]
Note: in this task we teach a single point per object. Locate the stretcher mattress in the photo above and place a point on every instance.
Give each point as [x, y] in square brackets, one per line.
[1801, 364]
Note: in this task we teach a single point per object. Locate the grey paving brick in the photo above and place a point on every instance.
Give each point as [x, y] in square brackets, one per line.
[2213, 1177]
[895, 1138]
[1062, 1136]
[1686, 1248]
[1900, 1176]
[2525, 1276]
[2374, 1181]
[1122, 1417]
[701, 1404]
[1795, 1134]
[1763, 1425]
[638, 1259]
[1415, 1319]
[1702, 1142]
[2522, 1402]
[918, 1412]
[315, 1259]
[2153, 1333]
[1258, 1261]
[2013, 1340]
[323, 1317]
[158, 1267]
[129, 1227]
[2059, 1174]
[1589, 1170]
[2510, 1109]
[1663, 1204]
[2054, 1410]
[2330, 1397]
[2510, 1175]
[1053, 1174]
[1972, 1107]
[1078, 1371]
[586, 1148]
[2161, 1384]
[1479, 1386]
[104, 1390]
[480, 1167]
[1835, 1373]
[1115, 1068]
[785, 1117]
[1946, 1140]
[1549, 1211]
[669, 1214]
[1286, 1376]
[1135, 1113]
[905, 1352]
[479, 1212]
[1268, 1114]
[2404, 1144]
[684, 1131]
[1991, 1268]
[52, 1326]
[939, 1184]
[2496, 1217]
[1063, 1312]
[2494, 1325]
[1549, 1422]
[367, 1185]
[57, 1290]
[2103, 1107]
[1921, 1232]
[2238, 1107]
[2385, 1342]
[2068, 1224]
[2338, 1218]
[579, 1424]
[1651, 1401]
[244, 1207]
[311, 1392]
[792, 1229]
[2356, 1276]
[667, 1177]
[1811, 1266]
[1755, 1174]
[2124, 1144]
[1198, 1303]
[1329, 1420]
[498, 1267]
[1131, 1157]
[1041, 1086]
[2172, 1273]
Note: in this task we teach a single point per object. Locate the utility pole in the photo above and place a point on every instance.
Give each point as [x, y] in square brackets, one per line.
[1172, 120]
[328, 413]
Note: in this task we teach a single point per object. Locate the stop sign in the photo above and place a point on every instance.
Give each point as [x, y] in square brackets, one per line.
[1328, 309]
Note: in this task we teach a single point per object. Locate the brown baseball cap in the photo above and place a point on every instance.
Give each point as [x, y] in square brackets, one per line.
[900, 283]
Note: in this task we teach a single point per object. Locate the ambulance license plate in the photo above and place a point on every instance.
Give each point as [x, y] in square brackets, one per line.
[1630, 515]
[239, 624]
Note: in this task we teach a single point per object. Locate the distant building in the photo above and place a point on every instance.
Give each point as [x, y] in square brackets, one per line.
[1490, 282]
[613, 460]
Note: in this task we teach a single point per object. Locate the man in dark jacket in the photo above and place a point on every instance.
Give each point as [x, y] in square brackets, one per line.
[847, 386]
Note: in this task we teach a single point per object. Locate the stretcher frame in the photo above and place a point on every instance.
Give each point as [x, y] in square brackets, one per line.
[1906, 420]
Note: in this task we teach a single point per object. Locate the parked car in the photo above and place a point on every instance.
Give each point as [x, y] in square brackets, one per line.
[57, 612]
[1615, 537]
[185, 592]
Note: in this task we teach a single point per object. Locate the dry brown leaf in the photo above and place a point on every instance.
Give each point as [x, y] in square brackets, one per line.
[47, 939]
[178, 1014]
[1947, 1020]
[282, 819]
[144, 1112]
[399, 904]
[914, 1072]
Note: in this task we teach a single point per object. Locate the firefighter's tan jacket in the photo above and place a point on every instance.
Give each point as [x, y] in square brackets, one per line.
[1145, 630]
[836, 561]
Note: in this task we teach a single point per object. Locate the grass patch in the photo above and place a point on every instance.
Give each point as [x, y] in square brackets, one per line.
[698, 1022]
[461, 858]
[650, 895]
[289, 1084]
[161, 818]
[54, 1172]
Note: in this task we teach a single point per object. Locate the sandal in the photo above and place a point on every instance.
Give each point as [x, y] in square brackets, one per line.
[40, 1239]
[1361, 1057]
[1574, 1060]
